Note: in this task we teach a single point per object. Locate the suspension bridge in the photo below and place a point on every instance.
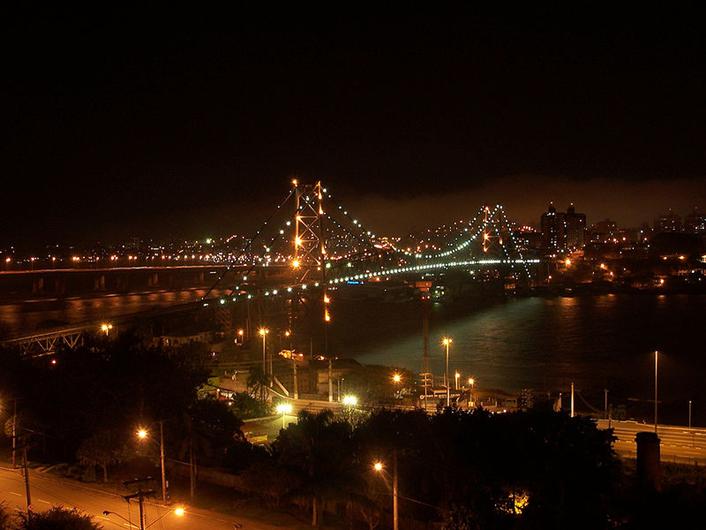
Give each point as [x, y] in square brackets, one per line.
[311, 244]
[318, 243]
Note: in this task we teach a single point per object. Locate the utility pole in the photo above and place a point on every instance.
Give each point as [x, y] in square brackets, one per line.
[656, 365]
[294, 375]
[161, 459]
[330, 380]
[395, 493]
[605, 402]
[140, 495]
[26, 474]
[192, 466]
[14, 435]
[572, 400]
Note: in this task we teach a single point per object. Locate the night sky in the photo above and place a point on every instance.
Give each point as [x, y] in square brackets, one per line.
[191, 124]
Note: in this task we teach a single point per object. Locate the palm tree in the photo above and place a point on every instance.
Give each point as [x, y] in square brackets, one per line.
[258, 383]
[319, 449]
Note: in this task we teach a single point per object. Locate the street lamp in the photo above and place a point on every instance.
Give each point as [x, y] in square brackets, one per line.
[396, 378]
[179, 511]
[457, 376]
[350, 400]
[471, 383]
[143, 434]
[379, 467]
[106, 327]
[284, 409]
[263, 333]
[446, 341]
[656, 366]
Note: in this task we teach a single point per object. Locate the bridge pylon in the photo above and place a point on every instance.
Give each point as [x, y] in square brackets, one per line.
[309, 231]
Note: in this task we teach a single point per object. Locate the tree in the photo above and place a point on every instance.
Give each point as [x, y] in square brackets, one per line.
[58, 518]
[320, 449]
[102, 449]
[258, 382]
[245, 406]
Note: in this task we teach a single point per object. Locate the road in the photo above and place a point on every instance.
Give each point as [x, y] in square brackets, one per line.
[677, 443]
[48, 491]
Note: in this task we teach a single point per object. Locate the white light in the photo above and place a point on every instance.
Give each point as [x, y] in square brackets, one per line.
[350, 400]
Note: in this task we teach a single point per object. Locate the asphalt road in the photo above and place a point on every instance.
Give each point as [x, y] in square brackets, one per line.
[677, 443]
[48, 491]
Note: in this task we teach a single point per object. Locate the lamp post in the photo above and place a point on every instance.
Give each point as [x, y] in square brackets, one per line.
[284, 409]
[656, 373]
[689, 414]
[263, 333]
[379, 467]
[471, 383]
[143, 434]
[446, 341]
[457, 376]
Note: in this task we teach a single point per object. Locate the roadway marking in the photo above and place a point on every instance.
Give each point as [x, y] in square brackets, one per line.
[13, 493]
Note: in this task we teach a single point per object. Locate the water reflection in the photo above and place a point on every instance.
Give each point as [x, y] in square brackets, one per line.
[546, 343]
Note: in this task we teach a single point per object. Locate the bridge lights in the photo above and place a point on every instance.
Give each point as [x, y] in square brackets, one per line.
[327, 301]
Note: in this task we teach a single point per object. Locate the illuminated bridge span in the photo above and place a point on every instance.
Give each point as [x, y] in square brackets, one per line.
[318, 243]
[311, 242]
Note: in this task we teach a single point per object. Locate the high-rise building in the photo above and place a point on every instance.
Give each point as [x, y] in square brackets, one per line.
[669, 222]
[575, 227]
[562, 230]
[695, 221]
[603, 231]
[553, 229]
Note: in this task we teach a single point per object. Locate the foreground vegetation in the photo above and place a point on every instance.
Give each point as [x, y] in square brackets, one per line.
[457, 469]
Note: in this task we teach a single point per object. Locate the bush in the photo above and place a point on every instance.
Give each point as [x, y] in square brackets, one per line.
[58, 518]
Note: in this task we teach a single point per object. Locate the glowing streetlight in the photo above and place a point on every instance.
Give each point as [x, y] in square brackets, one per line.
[284, 409]
[396, 377]
[179, 511]
[350, 400]
[379, 467]
[457, 376]
[106, 327]
[263, 333]
[143, 434]
[446, 341]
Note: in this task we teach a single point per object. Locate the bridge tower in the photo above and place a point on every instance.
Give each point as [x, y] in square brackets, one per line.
[309, 235]
[309, 258]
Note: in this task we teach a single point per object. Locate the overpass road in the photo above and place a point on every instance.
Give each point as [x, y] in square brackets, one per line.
[677, 443]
